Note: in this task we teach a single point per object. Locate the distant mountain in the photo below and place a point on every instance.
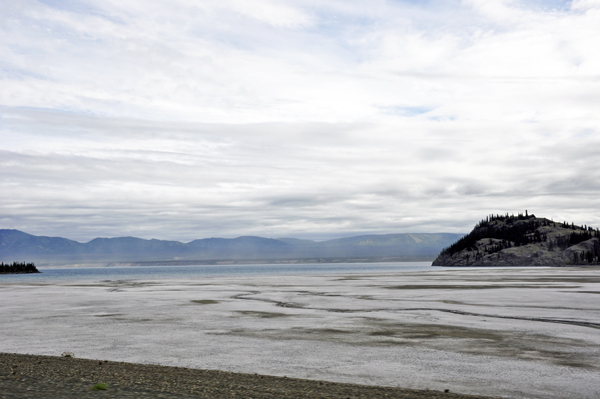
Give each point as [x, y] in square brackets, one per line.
[16, 245]
[523, 240]
[246, 247]
[414, 246]
[17, 242]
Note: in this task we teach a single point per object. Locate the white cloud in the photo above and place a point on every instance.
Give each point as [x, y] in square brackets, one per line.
[273, 13]
[187, 119]
[585, 4]
[497, 10]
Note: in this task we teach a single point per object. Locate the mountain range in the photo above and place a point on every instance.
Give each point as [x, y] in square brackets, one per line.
[16, 245]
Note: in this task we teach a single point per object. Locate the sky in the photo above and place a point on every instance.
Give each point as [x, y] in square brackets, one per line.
[312, 119]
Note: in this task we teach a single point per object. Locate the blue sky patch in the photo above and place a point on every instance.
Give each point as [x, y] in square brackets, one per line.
[408, 110]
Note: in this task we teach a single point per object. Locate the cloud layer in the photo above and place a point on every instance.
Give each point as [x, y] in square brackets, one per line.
[188, 119]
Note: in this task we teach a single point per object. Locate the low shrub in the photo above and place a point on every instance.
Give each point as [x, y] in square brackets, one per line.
[99, 387]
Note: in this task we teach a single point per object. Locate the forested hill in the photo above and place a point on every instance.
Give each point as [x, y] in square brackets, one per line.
[523, 240]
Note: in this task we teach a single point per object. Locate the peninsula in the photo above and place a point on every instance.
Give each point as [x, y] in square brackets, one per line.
[18, 268]
[523, 240]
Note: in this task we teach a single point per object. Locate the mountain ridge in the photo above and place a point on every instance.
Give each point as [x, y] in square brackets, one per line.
[44, 250]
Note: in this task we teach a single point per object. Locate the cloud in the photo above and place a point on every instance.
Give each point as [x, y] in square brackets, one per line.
[585, 4]
[187, 119]
[272, 13]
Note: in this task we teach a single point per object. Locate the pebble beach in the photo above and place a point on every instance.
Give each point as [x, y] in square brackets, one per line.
[41, 377]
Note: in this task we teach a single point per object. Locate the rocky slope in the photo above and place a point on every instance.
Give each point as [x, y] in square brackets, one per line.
[523, 240]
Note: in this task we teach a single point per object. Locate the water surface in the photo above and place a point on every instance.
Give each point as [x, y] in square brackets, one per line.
[196, 271]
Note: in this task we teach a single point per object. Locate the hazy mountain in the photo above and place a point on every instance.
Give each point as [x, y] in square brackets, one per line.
[246, 247]
[523, 240]
[18, 246]
[17, 242]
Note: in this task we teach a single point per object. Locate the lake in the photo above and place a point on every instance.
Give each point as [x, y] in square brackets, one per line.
[198, 271]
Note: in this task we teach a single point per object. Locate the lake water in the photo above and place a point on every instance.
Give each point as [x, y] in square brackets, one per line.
[198, 271]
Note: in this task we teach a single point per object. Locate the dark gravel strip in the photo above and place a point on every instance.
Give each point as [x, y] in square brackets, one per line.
[47, 377]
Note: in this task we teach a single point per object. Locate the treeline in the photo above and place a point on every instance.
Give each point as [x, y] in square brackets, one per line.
[516, 231]
[18, 267]
[510, 219]
[512, 234]
[586, 257]
[564, 242]
[590, 256]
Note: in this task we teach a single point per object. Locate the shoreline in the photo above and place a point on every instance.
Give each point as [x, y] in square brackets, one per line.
[40, 376]
[232, 262]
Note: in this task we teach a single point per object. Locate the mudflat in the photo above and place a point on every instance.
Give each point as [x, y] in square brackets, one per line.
[512, 333]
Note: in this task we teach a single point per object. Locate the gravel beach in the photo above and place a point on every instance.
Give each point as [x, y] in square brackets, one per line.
[31, 376]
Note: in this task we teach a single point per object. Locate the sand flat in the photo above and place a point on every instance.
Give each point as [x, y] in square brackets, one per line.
[520, 333]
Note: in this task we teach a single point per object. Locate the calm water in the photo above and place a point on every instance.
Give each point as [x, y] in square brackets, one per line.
[178, 272]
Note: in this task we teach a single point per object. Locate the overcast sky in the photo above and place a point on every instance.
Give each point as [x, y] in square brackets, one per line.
[314, 119]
